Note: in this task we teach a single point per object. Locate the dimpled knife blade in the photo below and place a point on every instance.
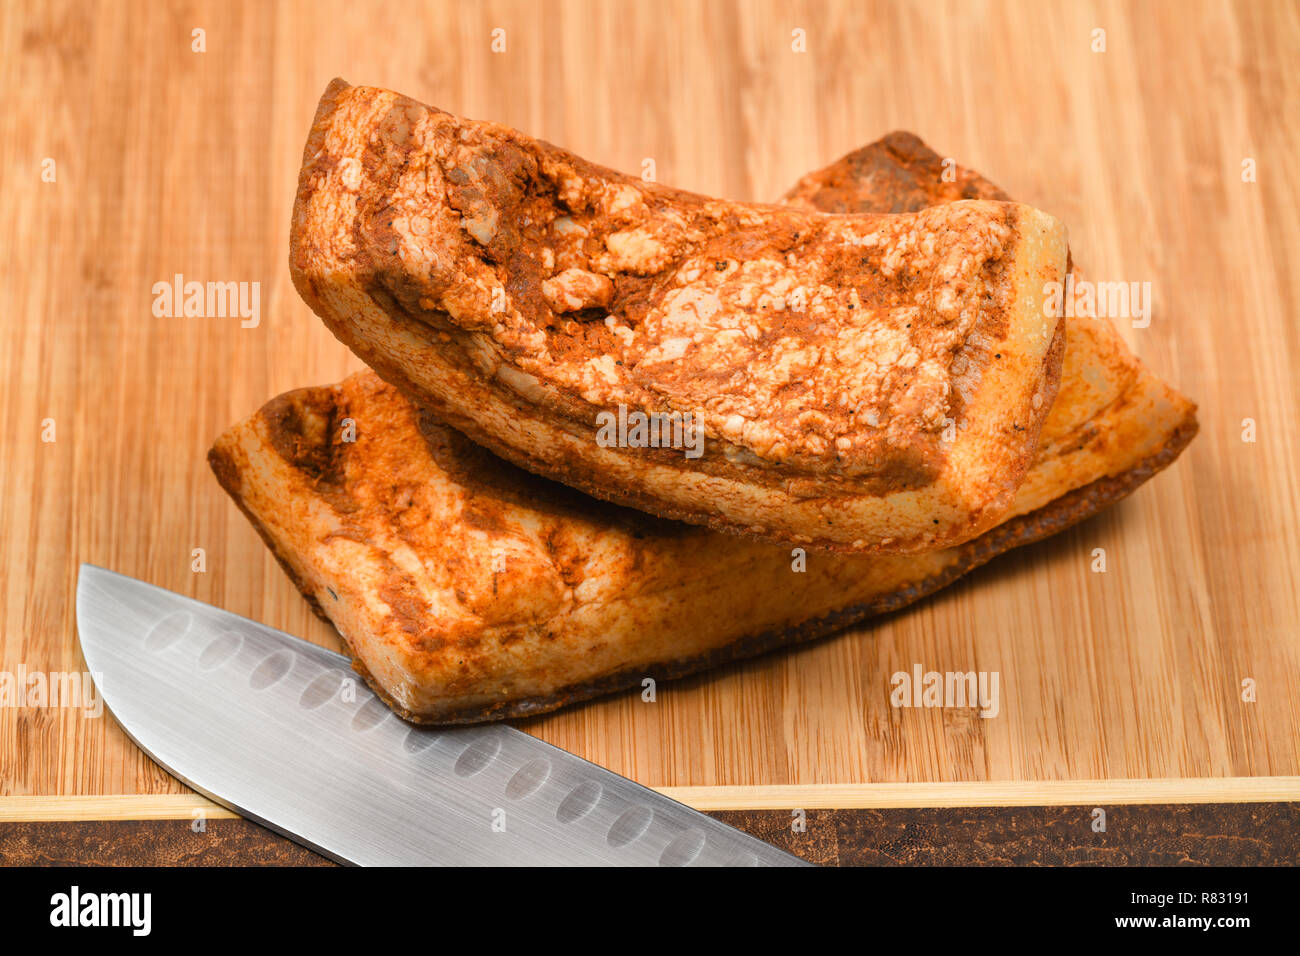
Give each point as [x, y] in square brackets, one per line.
[285, 733]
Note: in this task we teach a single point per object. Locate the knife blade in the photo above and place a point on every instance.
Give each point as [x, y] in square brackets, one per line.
[284, 732]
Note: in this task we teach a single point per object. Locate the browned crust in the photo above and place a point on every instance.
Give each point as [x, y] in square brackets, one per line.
[1068, 510]
[227, 474]
[875, 511]
[1062, 513]
[627, 496]
[901, 172]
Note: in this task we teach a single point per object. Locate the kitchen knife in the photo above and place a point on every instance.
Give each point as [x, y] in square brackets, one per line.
[284, 732]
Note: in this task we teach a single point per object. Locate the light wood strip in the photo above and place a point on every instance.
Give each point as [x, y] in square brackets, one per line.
[153, 806]
[994, 793]
[1012, 793]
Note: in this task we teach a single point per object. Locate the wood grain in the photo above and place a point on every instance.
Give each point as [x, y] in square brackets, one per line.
[171, 161]
[1162, 835]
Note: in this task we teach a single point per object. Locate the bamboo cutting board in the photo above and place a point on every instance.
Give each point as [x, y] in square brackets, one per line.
[1129, 682]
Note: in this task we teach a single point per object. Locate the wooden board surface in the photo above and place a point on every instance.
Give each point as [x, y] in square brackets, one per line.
[169, 161]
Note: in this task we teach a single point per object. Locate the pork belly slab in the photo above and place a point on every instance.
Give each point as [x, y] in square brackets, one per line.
[467, 589]
[1112, 417]
[866, 382]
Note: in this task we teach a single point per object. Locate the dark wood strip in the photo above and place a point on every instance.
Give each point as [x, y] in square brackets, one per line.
[1237, 834]
[1253, 834]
